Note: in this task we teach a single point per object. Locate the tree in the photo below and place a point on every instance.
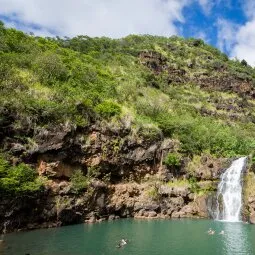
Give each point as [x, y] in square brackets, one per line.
[244, 62]
[50, 68]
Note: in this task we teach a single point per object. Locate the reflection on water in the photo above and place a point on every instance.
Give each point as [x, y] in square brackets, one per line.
[236, 239]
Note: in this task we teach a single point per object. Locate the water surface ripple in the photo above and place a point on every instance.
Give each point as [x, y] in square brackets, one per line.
[159, 237]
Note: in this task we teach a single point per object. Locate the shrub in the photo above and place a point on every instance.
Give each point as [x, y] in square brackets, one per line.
[244, 62]
[108, 109]
[6, 70]
[178, 183]
[196, 42]
[194, 187]
[153, 192]
[50, 68]
[22, 172]
[18, 180]
[3, 167]
[172, 160]
[79, 181]
[93, 172]
[217, 65]
[150, 133]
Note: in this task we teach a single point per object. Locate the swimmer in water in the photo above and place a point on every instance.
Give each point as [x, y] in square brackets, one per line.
[122, 243]
[210, 232]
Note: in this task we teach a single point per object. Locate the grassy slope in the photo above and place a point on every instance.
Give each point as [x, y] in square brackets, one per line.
[45, 81]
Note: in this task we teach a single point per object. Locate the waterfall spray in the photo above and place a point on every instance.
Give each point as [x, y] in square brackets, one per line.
[229, 195]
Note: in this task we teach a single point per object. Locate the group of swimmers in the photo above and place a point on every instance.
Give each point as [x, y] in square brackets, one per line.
[212, 232]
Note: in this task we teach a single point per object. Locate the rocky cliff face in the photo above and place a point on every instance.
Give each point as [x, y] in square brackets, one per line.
[131, 179]
[58, 206]
[248, 195]
[222, 80]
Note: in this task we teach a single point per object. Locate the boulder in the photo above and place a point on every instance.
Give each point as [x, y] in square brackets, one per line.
[188, 210]
[152, 214]
[174, 191]
[92, 219]
[252, 218]
[101, 201]
[201, 206]
[55, 169]
[177, 214]
[111, 217]
[51, 138]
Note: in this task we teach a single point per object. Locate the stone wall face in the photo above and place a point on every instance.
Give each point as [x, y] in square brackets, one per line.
[58, 206]
[138, 184]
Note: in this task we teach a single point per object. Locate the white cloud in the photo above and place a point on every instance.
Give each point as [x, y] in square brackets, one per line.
[249, 8]
[114, 18]
[206, 5]
[118, 18]
[202, 35]
[239, 40]
[245, 43]
[226, 35]
[28, 29]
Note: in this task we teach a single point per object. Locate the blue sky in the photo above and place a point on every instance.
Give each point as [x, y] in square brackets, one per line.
[205, 23]
[226, 24]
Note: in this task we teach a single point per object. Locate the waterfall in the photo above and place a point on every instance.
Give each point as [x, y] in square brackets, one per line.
[229, 195]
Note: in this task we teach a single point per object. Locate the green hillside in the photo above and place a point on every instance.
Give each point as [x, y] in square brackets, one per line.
[165, 87]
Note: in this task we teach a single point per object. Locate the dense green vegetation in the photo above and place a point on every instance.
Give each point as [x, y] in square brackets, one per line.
[47, 81]
[20, 179]
[172, 160]
[79, 181]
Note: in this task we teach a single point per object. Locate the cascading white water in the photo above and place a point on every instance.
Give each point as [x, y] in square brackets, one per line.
[229, 196]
